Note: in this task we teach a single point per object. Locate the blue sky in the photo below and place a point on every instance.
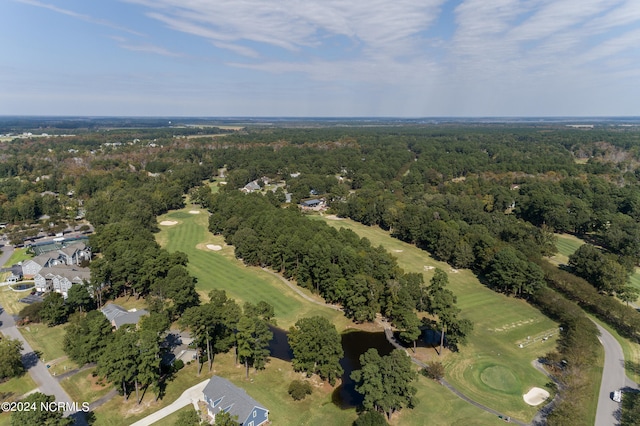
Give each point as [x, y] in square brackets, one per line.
[399, 58]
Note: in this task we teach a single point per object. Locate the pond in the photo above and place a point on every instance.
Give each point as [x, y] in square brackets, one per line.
[354, 344]
[22, 286]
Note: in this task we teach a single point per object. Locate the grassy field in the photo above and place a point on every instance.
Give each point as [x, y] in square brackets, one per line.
[9, 300]
[82, 387]
[567, 245]
[14, 388]
[49, 341]
[501, 324]
[220, 269]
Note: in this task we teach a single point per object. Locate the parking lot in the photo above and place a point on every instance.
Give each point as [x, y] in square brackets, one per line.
[32, 298]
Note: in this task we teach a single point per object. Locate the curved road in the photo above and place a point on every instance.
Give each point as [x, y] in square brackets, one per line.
[613, 378]
[46, 383]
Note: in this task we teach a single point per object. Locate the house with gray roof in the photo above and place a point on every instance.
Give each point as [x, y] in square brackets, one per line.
[63, 254]
[251, 187]
[222, 395]
[60, 278]
[118, 316]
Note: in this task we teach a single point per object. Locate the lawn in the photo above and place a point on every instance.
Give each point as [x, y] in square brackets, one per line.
[567, 244]
[9, 300]
[171, 419]
[49, 341]
[19, 255]
[82, 387]
[220, 269]
[501, 324]
[14, 388]
[269, 387]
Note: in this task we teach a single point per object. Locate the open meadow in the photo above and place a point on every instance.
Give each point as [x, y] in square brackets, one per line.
[491, 368]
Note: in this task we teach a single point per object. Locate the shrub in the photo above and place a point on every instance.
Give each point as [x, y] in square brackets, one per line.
[31, 313]
[299, 389]
[370, 418]
[178, 365]
[434, 370]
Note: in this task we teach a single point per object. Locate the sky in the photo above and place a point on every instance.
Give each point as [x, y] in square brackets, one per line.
[320, 58]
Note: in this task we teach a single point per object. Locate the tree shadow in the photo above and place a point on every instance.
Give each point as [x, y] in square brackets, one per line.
[30, 360]
[632, 367]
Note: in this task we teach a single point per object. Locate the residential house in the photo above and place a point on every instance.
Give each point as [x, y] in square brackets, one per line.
[69, 255]
[251, 187]
[222, 395]
[60, 278]
[118, 316]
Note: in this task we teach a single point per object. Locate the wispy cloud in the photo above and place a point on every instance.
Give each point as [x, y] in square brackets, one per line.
[144, 47]
[376, 26]
[79, 16]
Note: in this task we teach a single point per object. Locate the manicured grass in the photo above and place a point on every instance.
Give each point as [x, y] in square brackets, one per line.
[82, 387]
[119, 411]
[9, 300]
[439, 407]
[47, 340]
[501, 323]
[171, 419]
[19, 255]
[16, 387]
[221, 270]
[567, 245]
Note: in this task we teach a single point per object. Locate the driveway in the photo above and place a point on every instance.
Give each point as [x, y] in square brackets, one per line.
[36, 368]
[190, 396]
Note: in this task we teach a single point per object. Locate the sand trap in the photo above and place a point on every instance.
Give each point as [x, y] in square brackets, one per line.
[214, 247]
[535, 396]
[428, 268]
[333, 217]
[398, 251]
[168, 223]
[194, 211]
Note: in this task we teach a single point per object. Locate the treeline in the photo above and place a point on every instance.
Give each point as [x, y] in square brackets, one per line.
[577, 351]
[336, 264]
[624, 319]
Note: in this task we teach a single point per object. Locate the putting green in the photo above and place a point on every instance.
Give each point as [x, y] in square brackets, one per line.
[501, 379]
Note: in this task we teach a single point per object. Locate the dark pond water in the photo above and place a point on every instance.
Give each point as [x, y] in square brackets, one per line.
[22, 286]
[354, 344]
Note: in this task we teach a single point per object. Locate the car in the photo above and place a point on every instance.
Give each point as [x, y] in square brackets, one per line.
[617, 396]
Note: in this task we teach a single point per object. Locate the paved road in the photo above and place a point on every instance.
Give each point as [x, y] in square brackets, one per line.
[7, 251]
[190, 396]
[38, 371]
[613, 378]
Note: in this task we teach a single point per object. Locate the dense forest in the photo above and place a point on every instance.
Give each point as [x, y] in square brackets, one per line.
[487, 198]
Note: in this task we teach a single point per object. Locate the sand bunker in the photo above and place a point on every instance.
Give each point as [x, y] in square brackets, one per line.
[398, 251]
[168, 223]
[428, 268]
[194, 211]
[535, 396]
[214, 247]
